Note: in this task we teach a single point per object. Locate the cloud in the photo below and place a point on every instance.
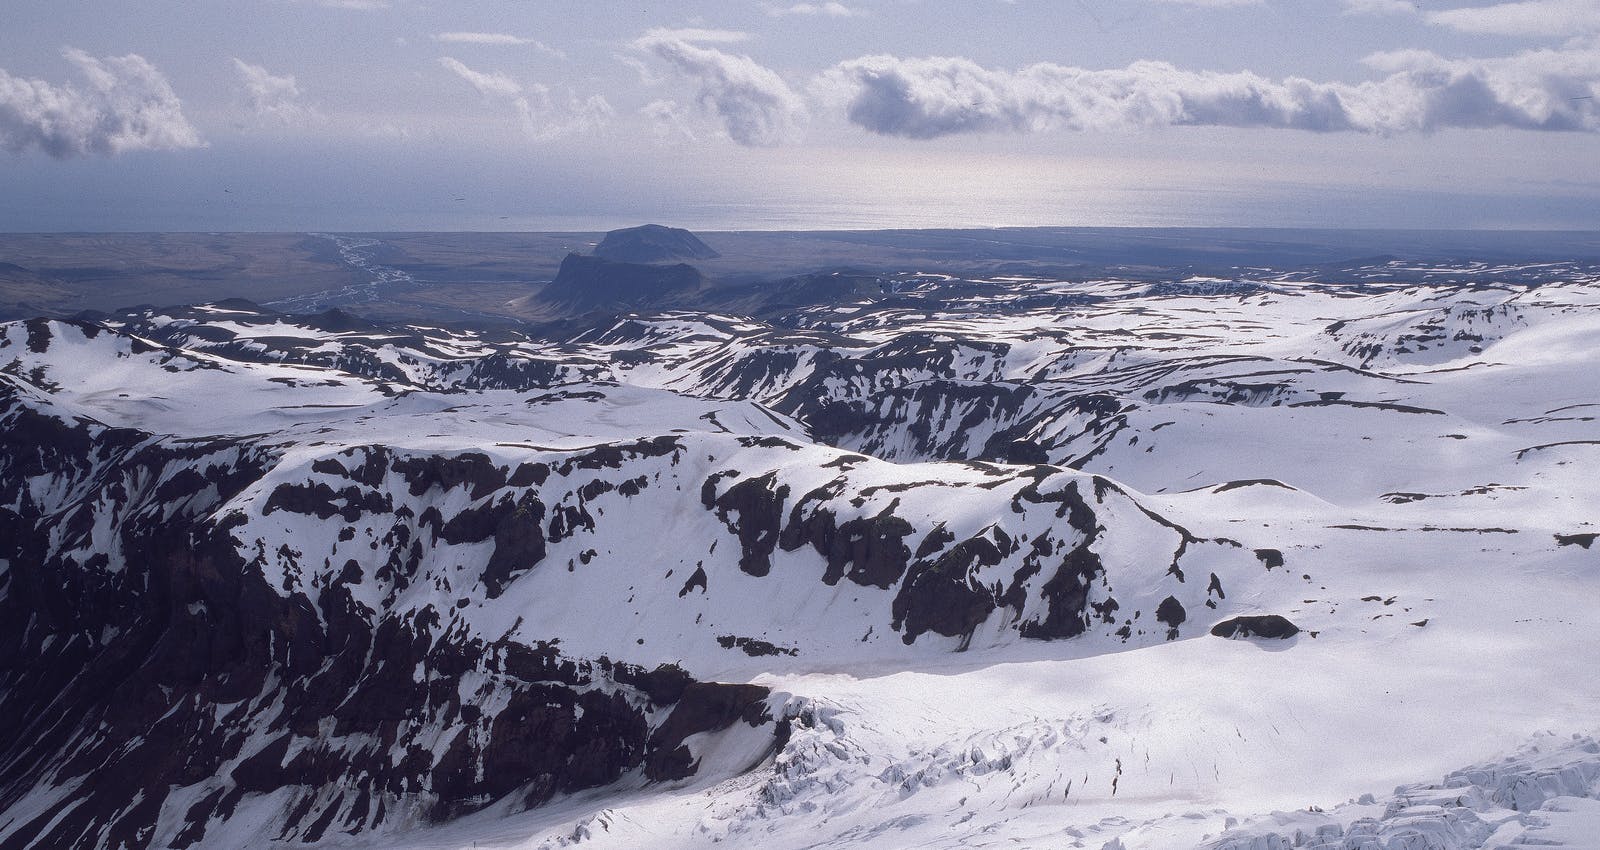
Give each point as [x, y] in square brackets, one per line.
[1215, 4]
[126, 105]
[490, 85]
[542, 118]
[358, 5]
[1534, 90]
[1379, 7]
[1526, 18]
[694, 35]
[668, 119]
[829, 9]
[647, 77]
[271, 98]
[934, 97]
[498, 39]
[751, 102]
[928, 98]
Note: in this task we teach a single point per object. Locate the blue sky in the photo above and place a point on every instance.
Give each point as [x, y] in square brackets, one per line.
[423, 114]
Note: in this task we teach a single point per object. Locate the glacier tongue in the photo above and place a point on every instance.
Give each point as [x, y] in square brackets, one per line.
[1546, 793]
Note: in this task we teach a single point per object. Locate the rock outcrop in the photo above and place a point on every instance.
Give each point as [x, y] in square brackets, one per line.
[653, 243]
[587, 284]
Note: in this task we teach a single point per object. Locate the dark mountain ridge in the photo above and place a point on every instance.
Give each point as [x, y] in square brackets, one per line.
[653, 243]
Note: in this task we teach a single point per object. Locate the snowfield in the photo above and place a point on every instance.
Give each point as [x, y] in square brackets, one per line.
[936, 570]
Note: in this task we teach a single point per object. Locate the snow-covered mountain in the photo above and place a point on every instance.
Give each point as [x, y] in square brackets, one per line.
[936, 562]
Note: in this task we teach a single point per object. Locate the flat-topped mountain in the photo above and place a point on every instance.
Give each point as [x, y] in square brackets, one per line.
[595, 283]
[653, 243]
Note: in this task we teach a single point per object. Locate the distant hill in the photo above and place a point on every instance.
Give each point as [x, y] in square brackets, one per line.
[595, 283]
[653, 243]
[25, 293]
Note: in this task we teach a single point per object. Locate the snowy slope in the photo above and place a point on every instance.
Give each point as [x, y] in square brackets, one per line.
[954, 557]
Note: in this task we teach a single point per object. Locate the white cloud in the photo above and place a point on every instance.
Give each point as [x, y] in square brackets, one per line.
[269, 97]
[127, 105]
[1533, 90]
[829, 9]
[491, 85]
[751, 102]
[1215, 4]
[694, 35]
[542, 117]
[498, 39]
[929, 98]
[647, 77]
[1526, 18]
[668, 119]
[1379, 7]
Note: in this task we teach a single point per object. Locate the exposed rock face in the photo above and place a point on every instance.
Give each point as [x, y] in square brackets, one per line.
[653, 243]
[149, 658]
[1584, 540]
[596, 283]
[1266, 626]
[405, 356]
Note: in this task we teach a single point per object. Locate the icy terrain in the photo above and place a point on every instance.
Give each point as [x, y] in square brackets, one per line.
[939, 567]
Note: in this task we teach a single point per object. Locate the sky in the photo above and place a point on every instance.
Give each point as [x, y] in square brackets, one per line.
[365, 115]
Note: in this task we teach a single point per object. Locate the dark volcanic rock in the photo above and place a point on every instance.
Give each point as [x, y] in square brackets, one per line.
[145, 657]
[703, 707]
[1269, 626]
[653, 243]
[586, 284]
[754, 647]
[1067, 592]
[1585, 540]
[867, 550]
[939, 596]
[752, 509]
[1171, 614]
